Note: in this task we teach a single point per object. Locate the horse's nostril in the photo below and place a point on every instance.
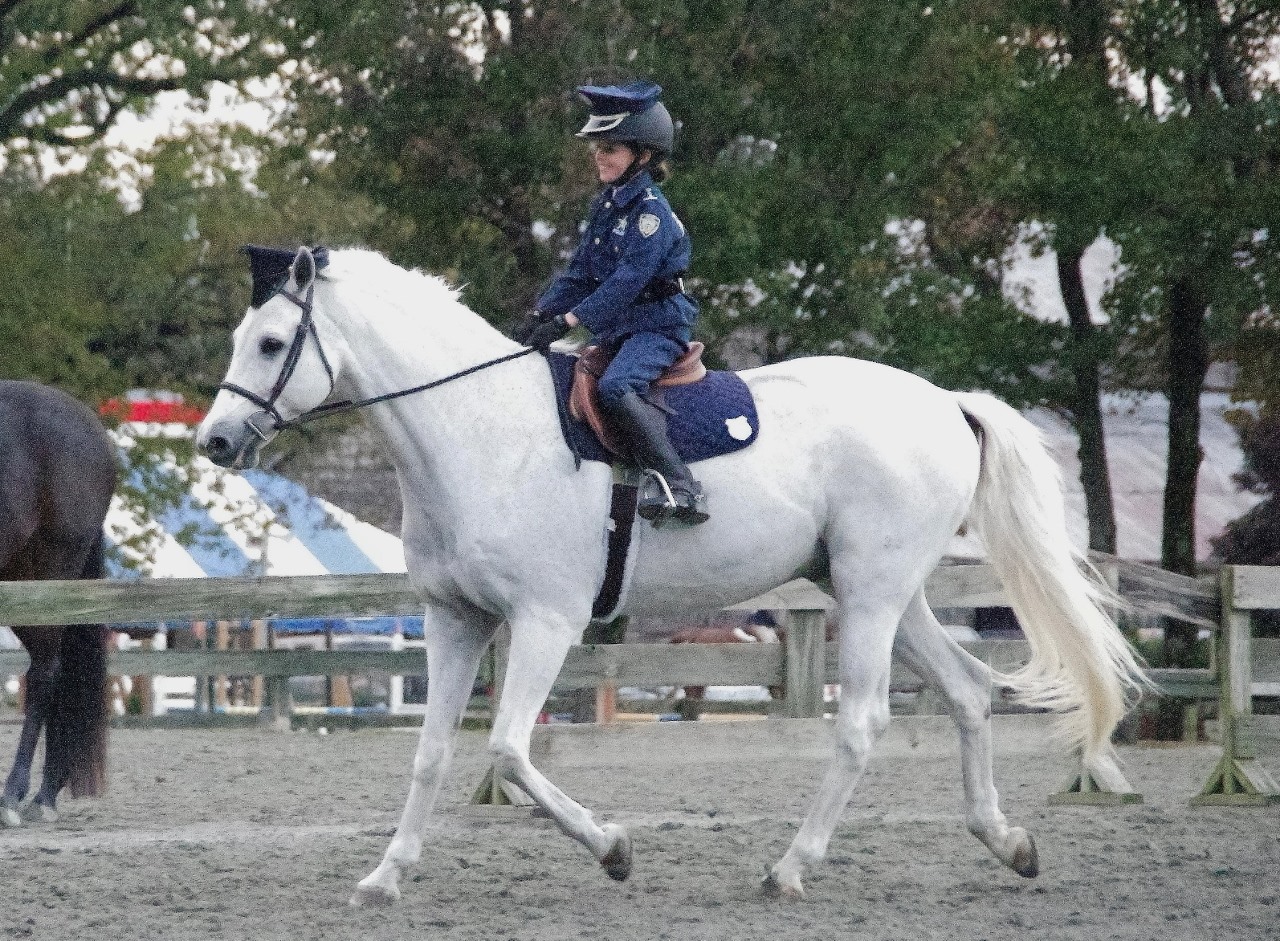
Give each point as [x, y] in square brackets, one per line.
[216, 447]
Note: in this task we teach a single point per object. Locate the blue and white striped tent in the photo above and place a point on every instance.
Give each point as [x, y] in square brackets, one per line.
[251, 523]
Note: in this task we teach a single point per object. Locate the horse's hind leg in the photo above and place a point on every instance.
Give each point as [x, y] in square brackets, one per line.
[965, 683]
[42, 644]
[455, 645]
[538, 649]
[866, 644]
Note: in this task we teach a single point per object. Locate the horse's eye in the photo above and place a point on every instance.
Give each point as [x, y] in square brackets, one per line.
[270, 346]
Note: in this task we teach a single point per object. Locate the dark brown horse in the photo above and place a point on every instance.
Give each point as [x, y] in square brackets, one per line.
[58, 469]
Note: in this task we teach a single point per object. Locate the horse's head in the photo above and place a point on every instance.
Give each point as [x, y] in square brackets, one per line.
[279, 369]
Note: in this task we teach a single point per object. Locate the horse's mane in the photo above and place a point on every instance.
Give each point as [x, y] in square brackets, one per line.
[375, 271]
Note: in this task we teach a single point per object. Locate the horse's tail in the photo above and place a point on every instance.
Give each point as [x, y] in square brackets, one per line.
[77, 728]
[1080, 663]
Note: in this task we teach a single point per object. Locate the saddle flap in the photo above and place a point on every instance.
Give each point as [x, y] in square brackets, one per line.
[594, 360]
[583, 403]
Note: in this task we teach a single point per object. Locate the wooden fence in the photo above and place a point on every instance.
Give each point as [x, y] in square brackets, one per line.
[1241, 667]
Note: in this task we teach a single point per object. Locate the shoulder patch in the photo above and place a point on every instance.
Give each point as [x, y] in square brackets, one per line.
[649, 194]
[648, 223]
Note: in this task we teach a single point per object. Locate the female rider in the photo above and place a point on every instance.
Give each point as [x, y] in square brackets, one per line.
[624, 285]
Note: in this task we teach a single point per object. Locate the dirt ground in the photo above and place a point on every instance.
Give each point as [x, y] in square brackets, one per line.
[246, 835]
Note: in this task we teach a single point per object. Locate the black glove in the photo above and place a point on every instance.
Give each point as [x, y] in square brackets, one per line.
[531, 322]
[547, 333]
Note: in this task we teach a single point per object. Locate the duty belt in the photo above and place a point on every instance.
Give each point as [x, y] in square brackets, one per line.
[659, 289]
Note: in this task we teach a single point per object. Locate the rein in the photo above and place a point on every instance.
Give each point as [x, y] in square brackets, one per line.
[307, 325]
[338, 408]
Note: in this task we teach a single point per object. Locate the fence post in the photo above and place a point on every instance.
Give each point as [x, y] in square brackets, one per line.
[806, 637]
[258, 629]
[1238, 780]
[277, 712]
[222, 641]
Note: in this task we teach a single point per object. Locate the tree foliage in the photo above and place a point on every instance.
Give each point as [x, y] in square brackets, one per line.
[853, 176]
[68, 68]
[105, 297]
[805, 129]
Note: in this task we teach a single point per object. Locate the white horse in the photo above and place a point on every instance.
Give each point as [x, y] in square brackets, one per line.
[860, 471]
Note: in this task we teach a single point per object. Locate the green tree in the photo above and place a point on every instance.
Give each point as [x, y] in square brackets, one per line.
[806, 129]
[1197, 248]
[106, 297]
[68, 68]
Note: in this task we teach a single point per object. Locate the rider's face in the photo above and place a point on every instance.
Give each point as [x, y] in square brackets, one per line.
[612, 160]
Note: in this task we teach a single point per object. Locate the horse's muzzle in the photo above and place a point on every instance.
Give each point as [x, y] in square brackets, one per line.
[234, 444]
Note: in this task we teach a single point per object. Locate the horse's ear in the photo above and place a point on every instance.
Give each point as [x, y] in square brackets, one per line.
[304, 269]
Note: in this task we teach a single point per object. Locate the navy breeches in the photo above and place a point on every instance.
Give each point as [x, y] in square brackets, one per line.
[641, 359]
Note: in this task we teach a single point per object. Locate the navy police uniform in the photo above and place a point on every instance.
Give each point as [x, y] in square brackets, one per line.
[623, 284]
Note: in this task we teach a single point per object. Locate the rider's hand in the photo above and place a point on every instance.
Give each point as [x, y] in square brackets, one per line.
[547, 333]
[530, 322]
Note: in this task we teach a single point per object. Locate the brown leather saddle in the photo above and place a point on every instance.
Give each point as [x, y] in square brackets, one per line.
[584, 405]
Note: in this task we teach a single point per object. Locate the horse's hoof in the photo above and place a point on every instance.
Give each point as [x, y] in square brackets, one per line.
[1026, 861]
[37, 812]
[617, 862]
[374, 897]
[10, 817]
[782, 886]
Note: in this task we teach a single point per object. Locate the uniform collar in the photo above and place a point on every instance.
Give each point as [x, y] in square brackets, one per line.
[630, 191]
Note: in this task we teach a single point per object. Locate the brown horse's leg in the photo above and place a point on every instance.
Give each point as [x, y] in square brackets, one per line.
[72, 663]
[42, 644]
[75, 726]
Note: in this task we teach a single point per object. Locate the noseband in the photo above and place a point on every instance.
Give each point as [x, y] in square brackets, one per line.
[306, 325]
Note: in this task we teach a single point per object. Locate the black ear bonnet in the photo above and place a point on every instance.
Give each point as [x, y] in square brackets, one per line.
[270, 269]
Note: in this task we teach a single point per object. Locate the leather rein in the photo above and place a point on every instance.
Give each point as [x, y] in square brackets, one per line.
[307, 327]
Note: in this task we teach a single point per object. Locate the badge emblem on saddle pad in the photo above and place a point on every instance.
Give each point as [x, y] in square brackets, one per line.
[739, 428]
[648, 224]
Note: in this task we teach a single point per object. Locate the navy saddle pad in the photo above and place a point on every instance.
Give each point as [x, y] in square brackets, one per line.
[715, 415]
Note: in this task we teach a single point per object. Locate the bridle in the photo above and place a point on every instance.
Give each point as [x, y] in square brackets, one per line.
[307, 327]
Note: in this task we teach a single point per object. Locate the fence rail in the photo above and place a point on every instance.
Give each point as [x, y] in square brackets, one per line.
[1223, 601]
[642, 665]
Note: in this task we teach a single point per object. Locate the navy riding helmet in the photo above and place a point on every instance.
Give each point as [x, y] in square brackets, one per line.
[628, 114]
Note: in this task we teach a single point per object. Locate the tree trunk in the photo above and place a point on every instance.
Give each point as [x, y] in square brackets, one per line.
[1188, 363]
[1086, 406]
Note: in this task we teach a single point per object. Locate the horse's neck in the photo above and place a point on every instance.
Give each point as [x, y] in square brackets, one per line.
[464, 437]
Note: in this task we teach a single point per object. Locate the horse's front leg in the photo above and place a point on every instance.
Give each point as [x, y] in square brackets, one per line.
[455, 643]
[539, 645]
[41, 683]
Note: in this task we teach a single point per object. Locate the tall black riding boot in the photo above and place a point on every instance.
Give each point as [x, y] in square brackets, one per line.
[643, 427]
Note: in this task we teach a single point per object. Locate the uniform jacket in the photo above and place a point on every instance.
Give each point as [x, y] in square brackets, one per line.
[632, 240]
